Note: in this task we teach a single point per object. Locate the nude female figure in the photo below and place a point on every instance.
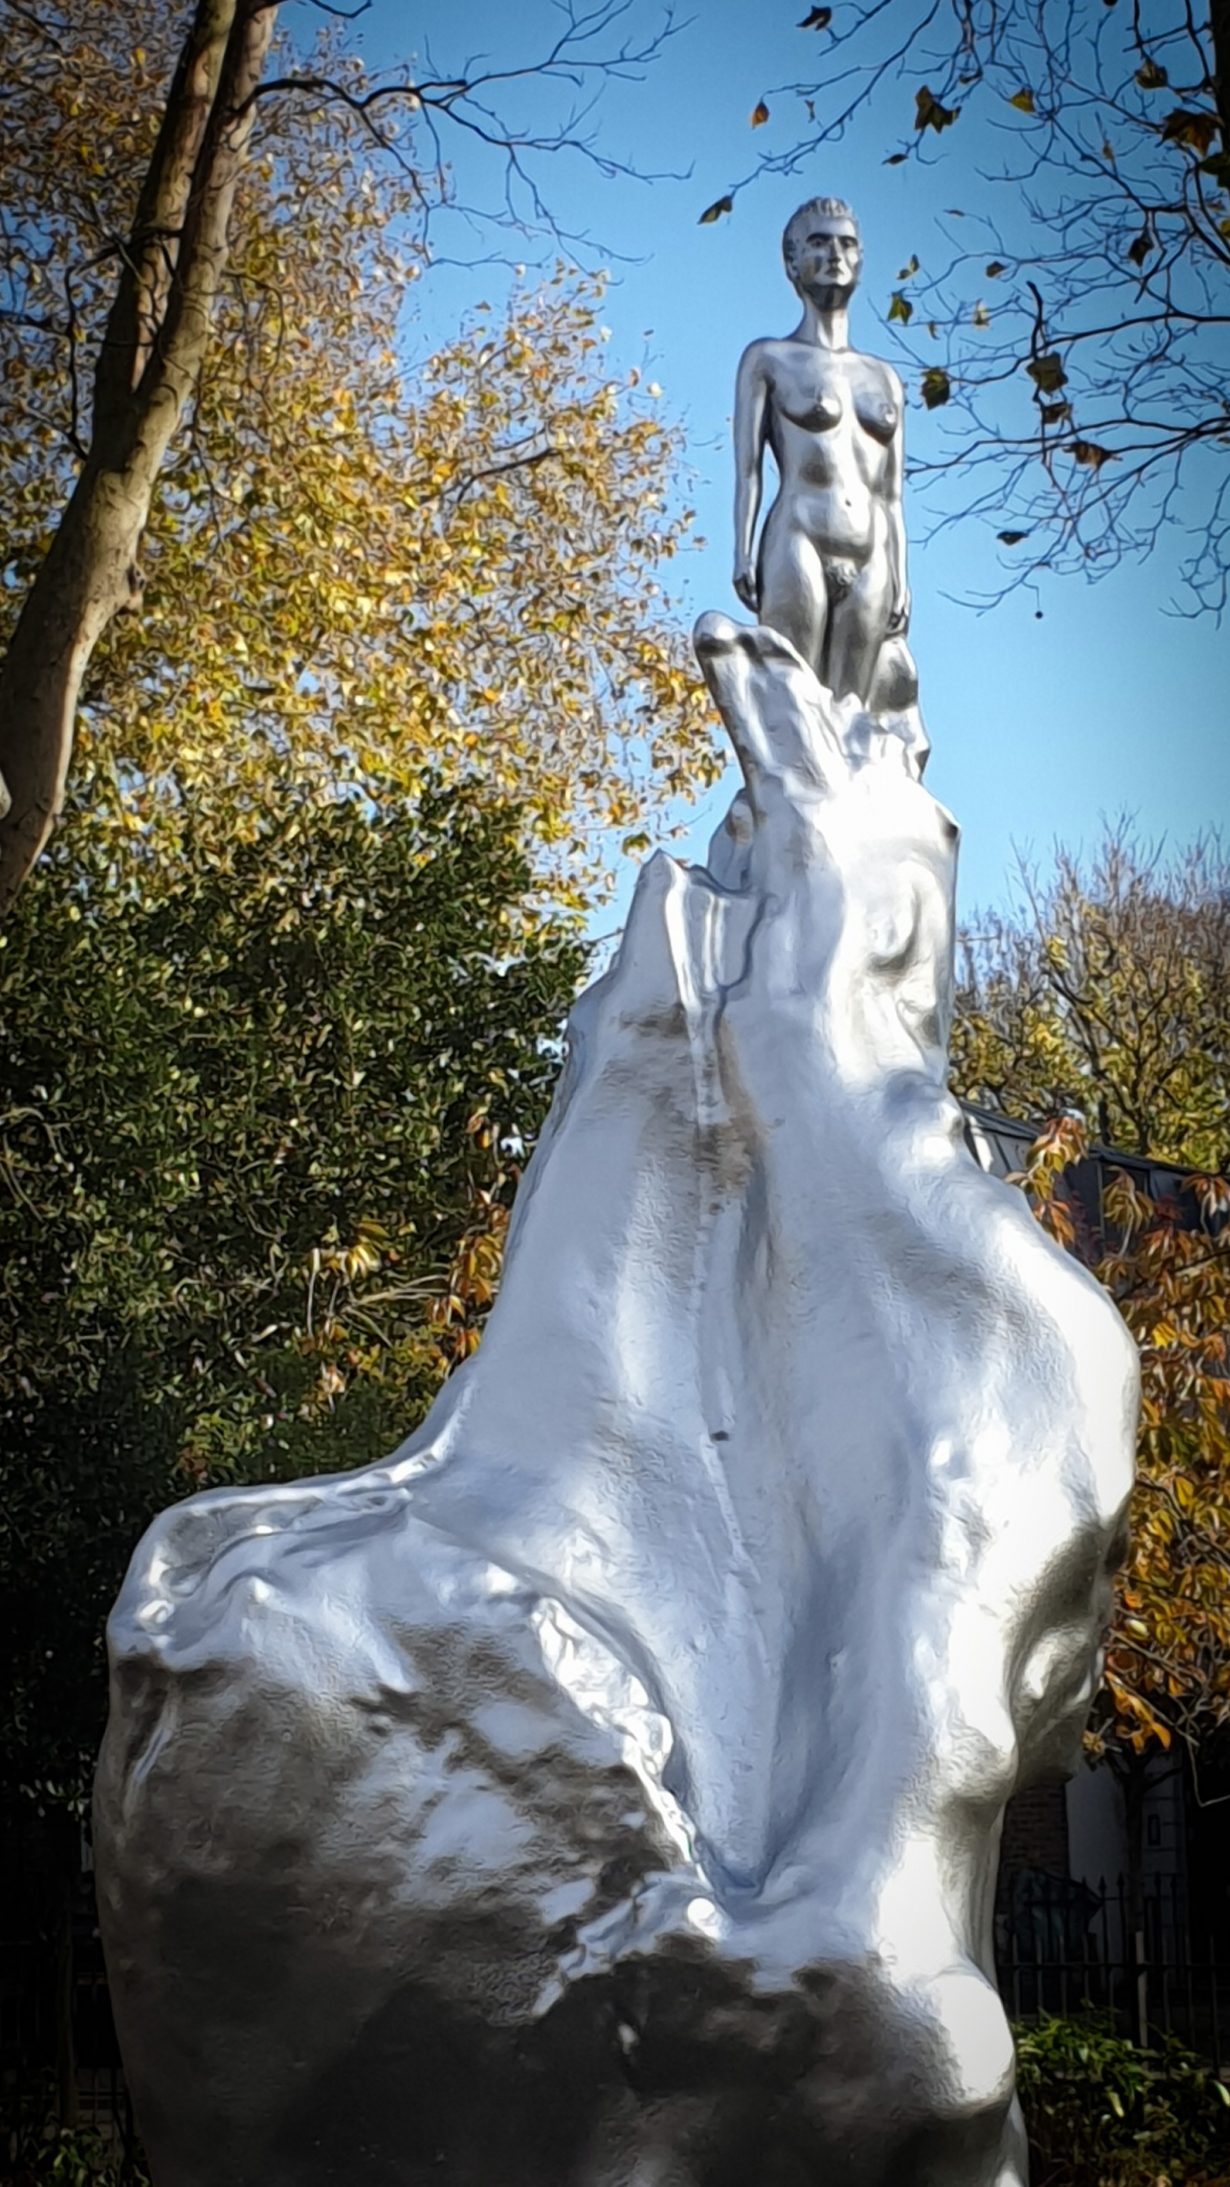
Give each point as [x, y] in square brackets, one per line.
[830, 573]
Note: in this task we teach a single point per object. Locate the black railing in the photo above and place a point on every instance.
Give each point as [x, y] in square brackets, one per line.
[1061, 1947]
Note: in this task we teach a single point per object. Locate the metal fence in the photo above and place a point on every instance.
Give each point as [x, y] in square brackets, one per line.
[1062, 1947]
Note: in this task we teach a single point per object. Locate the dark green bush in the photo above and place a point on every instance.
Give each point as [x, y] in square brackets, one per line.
[1101, 2113]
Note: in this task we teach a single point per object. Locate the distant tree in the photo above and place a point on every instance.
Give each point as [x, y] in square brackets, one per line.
[203, 256]
[1074, 340]
[1107, 1006]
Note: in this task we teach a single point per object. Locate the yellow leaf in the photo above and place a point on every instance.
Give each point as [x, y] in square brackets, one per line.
[1023, 101]
[760, 114]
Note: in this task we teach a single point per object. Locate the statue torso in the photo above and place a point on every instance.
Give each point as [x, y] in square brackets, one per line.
[832, 416]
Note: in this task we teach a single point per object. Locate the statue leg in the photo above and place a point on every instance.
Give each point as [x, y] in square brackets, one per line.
[858, 624]
[794, 596]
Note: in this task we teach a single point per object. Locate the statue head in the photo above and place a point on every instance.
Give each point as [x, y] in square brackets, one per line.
[823, 251]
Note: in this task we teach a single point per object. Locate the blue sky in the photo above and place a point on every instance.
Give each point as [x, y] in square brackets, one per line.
[1041, 723]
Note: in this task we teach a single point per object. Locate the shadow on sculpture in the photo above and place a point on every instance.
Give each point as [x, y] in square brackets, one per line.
[606, 1790]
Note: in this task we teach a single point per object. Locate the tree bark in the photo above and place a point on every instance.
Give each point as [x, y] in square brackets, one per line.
[155, 340]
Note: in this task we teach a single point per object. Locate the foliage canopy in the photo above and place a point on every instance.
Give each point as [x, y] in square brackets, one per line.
[1107, 1005]
[296, 541]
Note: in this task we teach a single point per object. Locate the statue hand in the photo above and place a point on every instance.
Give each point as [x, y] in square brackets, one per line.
[746, 586]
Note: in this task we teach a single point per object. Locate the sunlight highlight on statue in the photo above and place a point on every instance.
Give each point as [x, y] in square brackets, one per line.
[605, 1791]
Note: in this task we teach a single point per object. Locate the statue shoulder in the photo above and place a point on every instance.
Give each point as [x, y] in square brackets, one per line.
[758, 358]
[887, 378]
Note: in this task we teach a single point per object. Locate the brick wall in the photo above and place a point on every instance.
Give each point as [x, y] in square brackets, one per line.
[1036, 1832]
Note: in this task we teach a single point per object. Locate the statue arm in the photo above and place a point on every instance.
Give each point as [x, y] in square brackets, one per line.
[751, 421]
[899, 616]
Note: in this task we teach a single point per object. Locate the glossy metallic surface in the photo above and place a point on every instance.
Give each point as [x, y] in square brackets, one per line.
[829, 572]
[606, 1791]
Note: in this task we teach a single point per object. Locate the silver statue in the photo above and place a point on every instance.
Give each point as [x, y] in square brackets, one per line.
[606, 1790]
[830, 574]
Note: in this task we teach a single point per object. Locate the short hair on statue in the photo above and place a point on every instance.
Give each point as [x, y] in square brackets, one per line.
[828, 208]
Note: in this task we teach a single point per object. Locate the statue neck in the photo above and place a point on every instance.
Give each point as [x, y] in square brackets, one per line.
[825, 327]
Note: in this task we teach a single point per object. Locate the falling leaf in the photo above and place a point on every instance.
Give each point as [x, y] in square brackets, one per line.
[1011, 539]
[900, 309]
[1151, 75]
[1023, 101]
[930, 114]
[817, 19]
[936, 387]
[980, 316]
[760, 114]
[1055, 413]
[906, 273]
[1047, 373]
[713, 212]
[1089, 453]
[1140, 247]
[994, 269]
[1186, 127]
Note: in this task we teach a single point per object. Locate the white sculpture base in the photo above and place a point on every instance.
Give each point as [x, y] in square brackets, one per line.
[606, 1791]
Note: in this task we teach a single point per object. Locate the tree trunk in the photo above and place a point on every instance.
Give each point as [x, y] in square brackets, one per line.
[149, 362]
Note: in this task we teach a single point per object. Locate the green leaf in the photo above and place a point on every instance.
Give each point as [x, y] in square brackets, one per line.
[900, 309]
[1023, 101]
[715, 211]
[936, 387]
[906, 273]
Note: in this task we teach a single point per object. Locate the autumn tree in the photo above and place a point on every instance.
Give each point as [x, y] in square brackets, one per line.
[1105, 1006]
[1070, 332]
[265, 1101]
[172, 193]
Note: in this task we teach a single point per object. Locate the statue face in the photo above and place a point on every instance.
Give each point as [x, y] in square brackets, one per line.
[828, 258]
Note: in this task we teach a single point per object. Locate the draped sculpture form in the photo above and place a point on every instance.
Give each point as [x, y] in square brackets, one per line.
[606, 1790]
